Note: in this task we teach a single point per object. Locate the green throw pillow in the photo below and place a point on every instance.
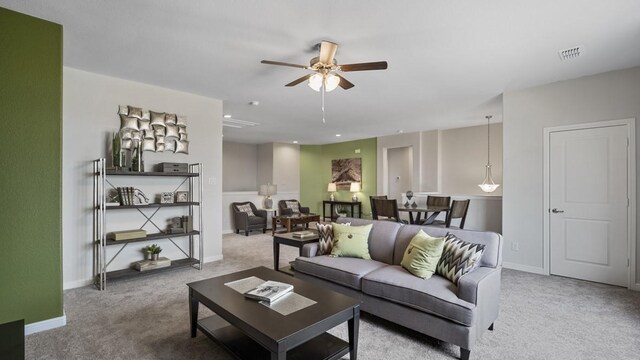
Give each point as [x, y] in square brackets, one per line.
[422, 255]
[351, 241]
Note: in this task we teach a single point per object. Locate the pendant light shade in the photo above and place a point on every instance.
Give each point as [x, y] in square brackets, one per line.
[488, 185]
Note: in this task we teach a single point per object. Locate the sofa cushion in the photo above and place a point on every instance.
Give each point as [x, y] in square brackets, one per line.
[436, 295]
[381, 238]
[492, 256]
[341, 270]
[351, 241]
[422, 255]
[458, 258]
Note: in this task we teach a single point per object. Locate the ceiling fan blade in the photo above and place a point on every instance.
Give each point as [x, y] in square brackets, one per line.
[379, 65]
[269, 62]
[327, 52]
[298, 81]
[344, 83]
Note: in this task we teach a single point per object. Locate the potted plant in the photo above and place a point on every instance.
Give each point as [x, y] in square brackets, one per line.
[153, 251]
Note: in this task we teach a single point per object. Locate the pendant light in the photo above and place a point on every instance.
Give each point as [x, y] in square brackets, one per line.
[488, 185]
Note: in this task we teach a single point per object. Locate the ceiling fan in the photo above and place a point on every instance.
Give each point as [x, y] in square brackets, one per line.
[325, 77]
[326, 68]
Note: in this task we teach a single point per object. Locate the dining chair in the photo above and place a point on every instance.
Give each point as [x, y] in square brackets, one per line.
[459, 210]
[387, 208]
[438, 201]
[373, 207]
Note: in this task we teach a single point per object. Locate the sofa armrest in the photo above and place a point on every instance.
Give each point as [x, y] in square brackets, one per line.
[310, 250]
[482, 288]
[260, 213]
[241, 219]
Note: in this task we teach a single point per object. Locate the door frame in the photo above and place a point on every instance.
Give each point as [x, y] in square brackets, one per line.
[631, 190]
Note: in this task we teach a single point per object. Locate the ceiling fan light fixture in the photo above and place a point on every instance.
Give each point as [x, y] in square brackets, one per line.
[331, 82]
[315, 82]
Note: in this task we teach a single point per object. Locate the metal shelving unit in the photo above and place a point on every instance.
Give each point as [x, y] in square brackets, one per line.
[101, 184]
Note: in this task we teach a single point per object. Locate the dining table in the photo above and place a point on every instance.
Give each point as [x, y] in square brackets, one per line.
[428, 219]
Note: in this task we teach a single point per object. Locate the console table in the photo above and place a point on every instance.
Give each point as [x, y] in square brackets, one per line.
[350, 204]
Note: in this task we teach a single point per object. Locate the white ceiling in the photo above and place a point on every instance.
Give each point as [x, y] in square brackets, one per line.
[449, 61]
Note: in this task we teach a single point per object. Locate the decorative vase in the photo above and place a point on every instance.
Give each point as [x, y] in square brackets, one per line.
[116, 151]
[154, 257]
[137, 164]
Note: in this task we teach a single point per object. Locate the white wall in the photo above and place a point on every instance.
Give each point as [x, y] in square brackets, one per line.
[430, 161]
[607, 96]
[400, 162]
[90, 104]
[286, 167]
[265, 164]
[464, 158]
[239, 166]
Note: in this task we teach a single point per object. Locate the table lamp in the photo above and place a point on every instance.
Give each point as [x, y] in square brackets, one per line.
[267, 191]
[355, 188]
[332, 188]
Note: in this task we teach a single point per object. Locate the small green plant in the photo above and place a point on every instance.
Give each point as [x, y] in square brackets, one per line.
[153, 249]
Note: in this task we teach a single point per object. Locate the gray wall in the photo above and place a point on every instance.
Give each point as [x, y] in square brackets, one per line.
[463, 155]
[607, 96]
[400, 171]
[239, 166]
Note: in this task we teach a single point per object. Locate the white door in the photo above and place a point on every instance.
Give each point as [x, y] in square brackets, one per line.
[588, 204]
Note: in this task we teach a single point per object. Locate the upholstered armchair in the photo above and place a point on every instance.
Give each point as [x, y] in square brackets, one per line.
[247, 217]
[290, 207]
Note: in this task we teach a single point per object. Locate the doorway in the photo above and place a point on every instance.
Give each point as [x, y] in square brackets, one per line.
[588, 189]
[400, 171]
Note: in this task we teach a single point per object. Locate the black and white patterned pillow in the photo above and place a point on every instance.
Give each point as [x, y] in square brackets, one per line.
[293, 205]
[458, 258]
[325, 238]
[245, 208]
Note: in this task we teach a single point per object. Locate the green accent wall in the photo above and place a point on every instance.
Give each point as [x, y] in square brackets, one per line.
[30, 179]
[315, 172]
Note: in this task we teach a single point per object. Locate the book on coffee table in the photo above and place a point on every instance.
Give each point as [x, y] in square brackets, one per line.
[269, 291]
[303, 234]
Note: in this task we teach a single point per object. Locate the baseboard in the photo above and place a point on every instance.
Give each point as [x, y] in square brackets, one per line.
[76, 284]
[525, 268]
[229, 231]
[45, 325]
[635, 287]
[213, 258]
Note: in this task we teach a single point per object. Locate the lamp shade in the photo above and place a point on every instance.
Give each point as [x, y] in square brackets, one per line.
[332, 187]
[268, 190]
[355, 187]
[331, 82]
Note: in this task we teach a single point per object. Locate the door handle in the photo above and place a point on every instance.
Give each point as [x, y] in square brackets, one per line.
[556, 211]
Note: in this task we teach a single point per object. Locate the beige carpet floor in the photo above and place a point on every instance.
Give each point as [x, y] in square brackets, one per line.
[541, 317]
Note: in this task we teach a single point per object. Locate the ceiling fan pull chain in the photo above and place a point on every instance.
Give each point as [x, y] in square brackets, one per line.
[323, 121]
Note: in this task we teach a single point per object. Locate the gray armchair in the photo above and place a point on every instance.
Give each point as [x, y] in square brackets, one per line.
[247, 217]
[284, 209]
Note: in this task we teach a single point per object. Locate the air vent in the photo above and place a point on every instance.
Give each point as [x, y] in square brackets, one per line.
[571, 53]
[237, 123]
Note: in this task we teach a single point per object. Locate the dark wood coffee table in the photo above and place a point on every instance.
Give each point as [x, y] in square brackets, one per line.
[250, 330]
[289, 221]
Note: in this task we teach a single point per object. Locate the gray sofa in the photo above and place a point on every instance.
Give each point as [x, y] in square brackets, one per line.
[435, 307]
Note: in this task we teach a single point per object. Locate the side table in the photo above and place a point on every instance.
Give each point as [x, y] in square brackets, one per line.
[289, 239]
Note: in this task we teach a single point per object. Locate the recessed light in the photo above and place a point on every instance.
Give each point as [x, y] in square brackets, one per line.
[295, 141]
[254, 103]
[400, 131]
[227, 116]
[338, 135]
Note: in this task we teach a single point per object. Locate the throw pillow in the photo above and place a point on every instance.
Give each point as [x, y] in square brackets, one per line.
[422, 255]
[325, 238]
[246, 208]
[458, 258]
[293, 205]
[351, 241]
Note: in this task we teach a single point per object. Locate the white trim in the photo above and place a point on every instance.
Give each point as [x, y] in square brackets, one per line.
[45, 325]
[213, 258]
[227, 231]
[76, 284]
[631, 190]
[234, 193]
[525, 268]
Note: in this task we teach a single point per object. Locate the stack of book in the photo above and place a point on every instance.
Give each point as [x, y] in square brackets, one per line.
[304, 234]
[144, 265]
[126, 195]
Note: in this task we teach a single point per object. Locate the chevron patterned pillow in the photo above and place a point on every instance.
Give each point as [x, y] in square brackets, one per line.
[325, 235]
[458, 258]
